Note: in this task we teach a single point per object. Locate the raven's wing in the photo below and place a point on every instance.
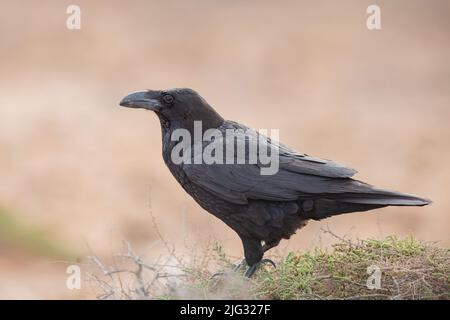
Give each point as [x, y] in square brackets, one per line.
[298, 175]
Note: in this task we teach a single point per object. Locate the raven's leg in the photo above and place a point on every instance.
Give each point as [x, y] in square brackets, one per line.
[267, 246]
[270, 244]
[254, 252]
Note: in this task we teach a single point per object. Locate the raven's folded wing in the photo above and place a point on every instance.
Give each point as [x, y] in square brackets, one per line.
[298, 175]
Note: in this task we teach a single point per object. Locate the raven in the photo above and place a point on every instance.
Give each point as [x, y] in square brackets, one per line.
[261, 209]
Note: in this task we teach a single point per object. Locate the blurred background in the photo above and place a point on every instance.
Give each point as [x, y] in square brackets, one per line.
[78, 174]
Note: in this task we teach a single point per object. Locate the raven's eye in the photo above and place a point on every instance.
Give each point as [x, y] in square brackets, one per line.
[168, 99]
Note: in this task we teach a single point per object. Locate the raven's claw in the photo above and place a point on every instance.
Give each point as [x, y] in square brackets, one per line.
[236, 268]
[251, 270]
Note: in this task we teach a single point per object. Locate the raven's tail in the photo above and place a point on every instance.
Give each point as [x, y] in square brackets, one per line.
[385, 198]
[362, 197]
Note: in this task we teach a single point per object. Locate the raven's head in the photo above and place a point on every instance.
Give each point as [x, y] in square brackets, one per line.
[180, 107]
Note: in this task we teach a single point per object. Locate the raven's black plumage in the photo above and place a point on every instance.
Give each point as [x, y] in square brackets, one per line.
[260, 209]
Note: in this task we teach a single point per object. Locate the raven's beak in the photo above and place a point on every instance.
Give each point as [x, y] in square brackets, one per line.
[142, 100]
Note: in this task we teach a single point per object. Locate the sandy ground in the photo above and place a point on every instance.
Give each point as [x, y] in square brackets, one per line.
[90, 173]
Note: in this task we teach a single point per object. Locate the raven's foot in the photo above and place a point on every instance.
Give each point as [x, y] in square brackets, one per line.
[239, 266]
[252, 269]
[235, 269]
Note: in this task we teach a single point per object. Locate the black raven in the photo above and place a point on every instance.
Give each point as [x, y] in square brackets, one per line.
[261, 209]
